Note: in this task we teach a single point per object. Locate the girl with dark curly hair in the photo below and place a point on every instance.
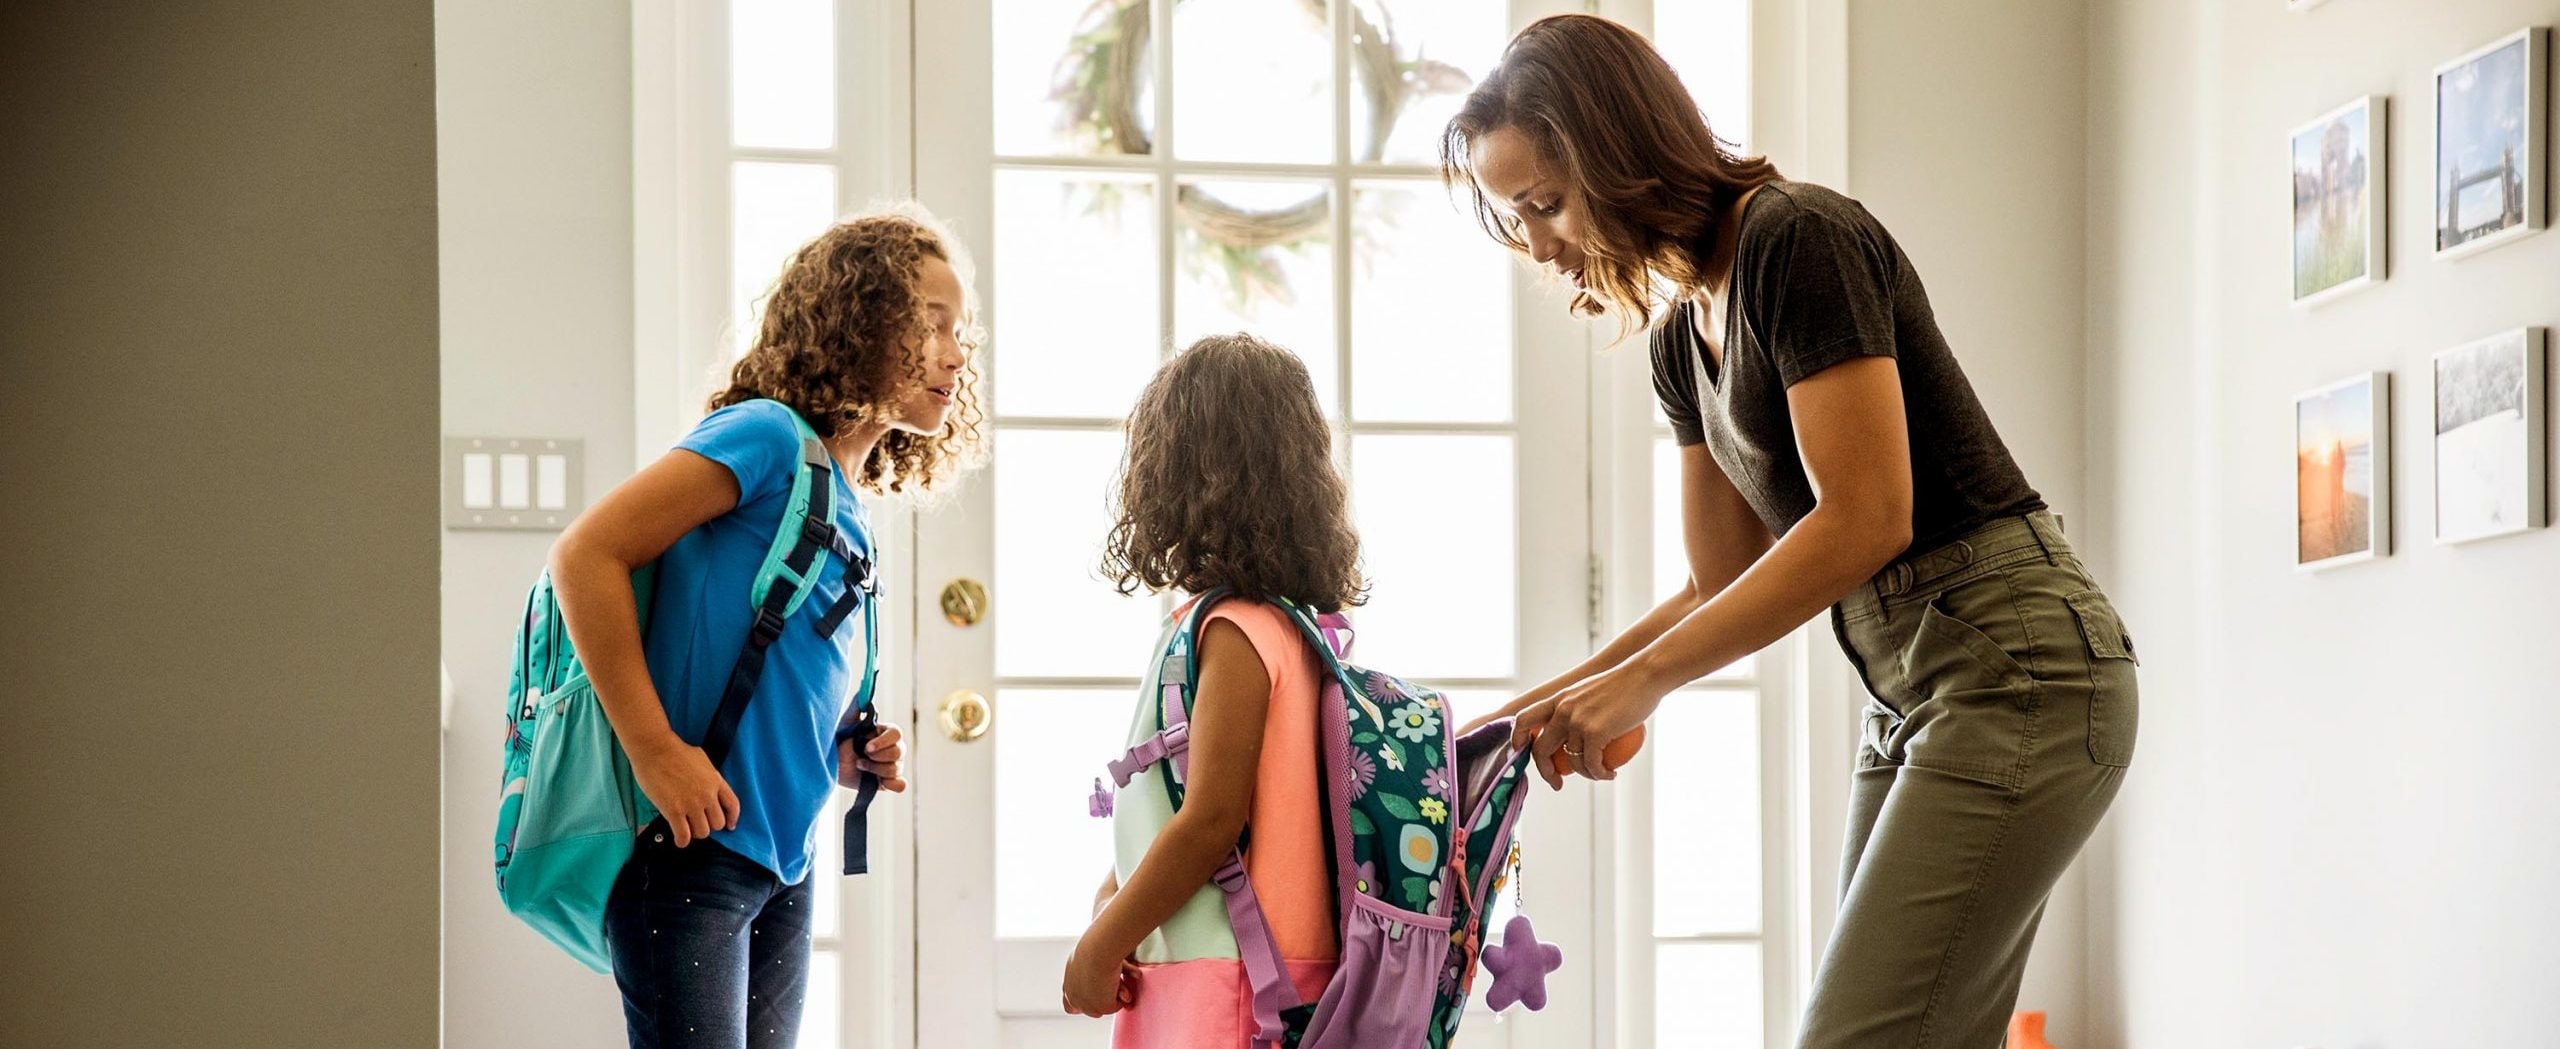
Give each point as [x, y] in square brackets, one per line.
[867, 337]
[1229, 485]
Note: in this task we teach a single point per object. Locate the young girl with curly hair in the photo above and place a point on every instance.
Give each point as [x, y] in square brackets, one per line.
[1229, 486]
[867, 336]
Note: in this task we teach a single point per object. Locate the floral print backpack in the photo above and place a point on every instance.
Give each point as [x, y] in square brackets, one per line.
[1419, 835]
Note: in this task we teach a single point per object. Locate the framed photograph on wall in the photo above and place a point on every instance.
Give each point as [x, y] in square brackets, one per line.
[2489, 142]
[2489, 418]
[2340, 202]
[2342, 472]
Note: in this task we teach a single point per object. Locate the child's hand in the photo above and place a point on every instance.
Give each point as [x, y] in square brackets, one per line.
[678, 778]
[1096, 985]
[880, 758]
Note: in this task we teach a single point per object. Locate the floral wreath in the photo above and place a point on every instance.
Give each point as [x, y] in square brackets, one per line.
[1097, 86]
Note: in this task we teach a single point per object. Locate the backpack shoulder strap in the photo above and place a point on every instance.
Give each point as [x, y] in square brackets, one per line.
[782, 585]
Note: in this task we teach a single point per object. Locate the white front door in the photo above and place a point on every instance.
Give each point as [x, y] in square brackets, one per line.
[1117, 220]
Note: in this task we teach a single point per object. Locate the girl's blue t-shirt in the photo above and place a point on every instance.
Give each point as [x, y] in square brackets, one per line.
[782, 764]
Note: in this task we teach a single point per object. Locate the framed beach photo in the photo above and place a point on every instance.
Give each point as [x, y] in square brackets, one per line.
[2340, 224]
[2342, 472]
[2489, 141]
[2489, 419]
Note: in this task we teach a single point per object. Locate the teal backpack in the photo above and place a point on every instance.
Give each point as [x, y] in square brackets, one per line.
[1419, 824]
[569, 808]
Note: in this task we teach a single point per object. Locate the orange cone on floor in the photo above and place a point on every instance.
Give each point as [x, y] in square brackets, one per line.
[2026, 1031]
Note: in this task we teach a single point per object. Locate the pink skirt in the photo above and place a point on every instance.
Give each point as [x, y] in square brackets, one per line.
[1203, 1004]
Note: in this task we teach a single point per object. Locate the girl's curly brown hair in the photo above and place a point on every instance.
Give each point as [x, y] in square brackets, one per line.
[1229, 481]
[837, 344]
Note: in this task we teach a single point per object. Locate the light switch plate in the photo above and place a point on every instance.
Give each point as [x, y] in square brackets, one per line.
[513, 483]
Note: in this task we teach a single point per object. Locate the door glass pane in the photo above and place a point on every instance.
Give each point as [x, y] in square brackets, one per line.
[1065, 81]
[782, 68]
[1075, 328]
[1709, 43]
[1252, 81]
[1431, 311]
[1437, 531]
[773, 210]
[826, 886]
[1051, 853]
[1670, 551]
[1054, 616]
[1707, 995]
[1431, 53]
[1706, 813]
[822, 1011]
[1465, 704]
[1256, 256]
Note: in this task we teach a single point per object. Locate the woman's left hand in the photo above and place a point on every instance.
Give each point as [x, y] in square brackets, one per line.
[1583, 719]
[880, 758]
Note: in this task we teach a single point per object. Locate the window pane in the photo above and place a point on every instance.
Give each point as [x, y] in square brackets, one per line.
[1054, 616]
[1431, 311]
[1707, 995]
[1433, 51]
[1437, 530]
[1056, 89]
[773, 210]
[822, 1017]
[1706, 813]
[826, 884]
[1252, 81]
[1465, 704]
[782, 68]
[1281, 291]
[1709, 43]
[1670, 551]
[1051, 853]
[1075, 330]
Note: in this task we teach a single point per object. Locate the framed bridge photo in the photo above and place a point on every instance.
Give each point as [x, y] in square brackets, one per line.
[2490, 136]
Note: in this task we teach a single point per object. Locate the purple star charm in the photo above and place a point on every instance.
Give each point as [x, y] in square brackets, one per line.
[1520, 965]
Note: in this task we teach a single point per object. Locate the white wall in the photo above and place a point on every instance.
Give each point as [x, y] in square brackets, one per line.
[2337, 829]
[534, 182]
[1965, 136]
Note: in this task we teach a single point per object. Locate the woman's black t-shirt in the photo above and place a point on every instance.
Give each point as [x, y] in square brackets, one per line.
[1818, 281]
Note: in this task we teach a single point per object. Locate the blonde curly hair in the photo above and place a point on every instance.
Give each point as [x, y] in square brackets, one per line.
[836, 344]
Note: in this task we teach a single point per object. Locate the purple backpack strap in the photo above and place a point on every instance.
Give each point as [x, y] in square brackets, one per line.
[1264, 969]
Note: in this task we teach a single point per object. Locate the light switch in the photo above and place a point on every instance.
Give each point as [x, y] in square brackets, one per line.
[479, 481]
[515, 482]
[525, 483]
[551, 482]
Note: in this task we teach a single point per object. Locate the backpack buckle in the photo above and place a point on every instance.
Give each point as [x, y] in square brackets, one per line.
[768, 625]
[819, 533]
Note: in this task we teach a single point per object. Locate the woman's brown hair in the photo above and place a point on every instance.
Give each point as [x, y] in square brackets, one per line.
[1229, 481]
[1598, 101]
[838, 344]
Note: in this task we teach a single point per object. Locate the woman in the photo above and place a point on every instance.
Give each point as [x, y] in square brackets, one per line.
[1833, 454]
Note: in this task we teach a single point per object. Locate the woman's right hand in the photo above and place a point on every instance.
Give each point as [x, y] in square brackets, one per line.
[679, 779]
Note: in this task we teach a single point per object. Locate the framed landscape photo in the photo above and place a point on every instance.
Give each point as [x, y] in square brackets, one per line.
[2489, 419]
[2340, 201]
[2342, 472]
[2490, 137]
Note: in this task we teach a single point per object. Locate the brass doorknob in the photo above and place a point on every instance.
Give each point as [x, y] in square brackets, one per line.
[966, 716]
[964, 602]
